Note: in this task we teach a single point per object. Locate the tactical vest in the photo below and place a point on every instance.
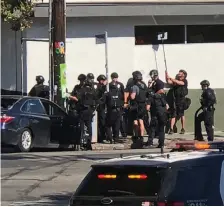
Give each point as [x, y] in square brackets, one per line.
[88, 97]
[115, 96]
[141, 97]
[208, 97]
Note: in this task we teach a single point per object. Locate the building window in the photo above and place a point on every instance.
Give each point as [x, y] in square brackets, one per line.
[205, 33]
[148, 35]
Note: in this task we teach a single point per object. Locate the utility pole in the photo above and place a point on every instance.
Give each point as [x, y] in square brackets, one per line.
[58, 40]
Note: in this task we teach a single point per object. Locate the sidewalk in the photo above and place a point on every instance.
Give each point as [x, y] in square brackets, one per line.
[169, 141]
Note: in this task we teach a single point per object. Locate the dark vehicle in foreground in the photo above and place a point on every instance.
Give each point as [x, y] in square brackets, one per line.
[28, 122]
[190, 178]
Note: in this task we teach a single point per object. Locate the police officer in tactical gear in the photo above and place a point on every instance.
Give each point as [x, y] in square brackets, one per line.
[180, 91]
[139, 107]
[73, 102]
[40, 90]
[101, 89]
[92, 77]
[114, 101]
[88, 99]
[127, 102]
[208, 100]
[158, 108]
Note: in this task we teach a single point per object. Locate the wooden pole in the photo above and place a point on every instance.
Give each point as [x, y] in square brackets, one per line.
[58, 39]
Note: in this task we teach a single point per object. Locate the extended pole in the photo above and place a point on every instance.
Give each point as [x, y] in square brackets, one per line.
[106, 60]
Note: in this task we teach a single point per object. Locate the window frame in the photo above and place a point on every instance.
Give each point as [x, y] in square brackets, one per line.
[54, 105]
[44, 111]
[157, 42]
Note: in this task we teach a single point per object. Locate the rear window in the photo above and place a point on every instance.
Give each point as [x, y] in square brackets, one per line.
[122, 185]
[7, 103]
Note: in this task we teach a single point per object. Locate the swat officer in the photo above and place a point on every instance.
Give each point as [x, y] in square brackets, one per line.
[158, 107]
[114, 101]
[92, 77]
[87, 99]
[101, 89]
[139, 107]
[73, 102]
[127, 102]
[40, 90]
[208, 99]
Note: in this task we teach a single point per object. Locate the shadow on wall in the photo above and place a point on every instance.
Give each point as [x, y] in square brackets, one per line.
[195, 95]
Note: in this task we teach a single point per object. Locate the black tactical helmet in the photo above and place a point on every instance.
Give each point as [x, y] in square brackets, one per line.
[101, 77]
[205, 83]
[153, 73]
[82, 77]
[114, 75]
[89, 82]
[184, 72]
[138, 76]
[40, 79]
[90, 76]
[136, 72]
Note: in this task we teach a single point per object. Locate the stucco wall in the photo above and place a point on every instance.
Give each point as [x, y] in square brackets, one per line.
[83, 55]
[202, 61]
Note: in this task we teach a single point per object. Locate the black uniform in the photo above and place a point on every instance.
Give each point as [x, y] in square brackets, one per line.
[40, 90]
[129, 85]
[208, 99]
[158, 113]
[101, 89]
[88, 99]
[179, 94]
[114, 101]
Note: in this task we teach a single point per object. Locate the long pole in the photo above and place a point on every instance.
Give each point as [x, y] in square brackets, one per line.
[106, 60]
[58, 39]
[22, 65]
[50, 51]
[164, 54]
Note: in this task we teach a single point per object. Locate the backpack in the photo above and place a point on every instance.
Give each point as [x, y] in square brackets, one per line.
[141, 97]
[187, 103]
[88, 97]
[115, 96]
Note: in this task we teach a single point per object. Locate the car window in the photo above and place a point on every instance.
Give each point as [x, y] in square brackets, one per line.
[52, 109]
[122, 185]
[191, 183]
[7, 103]
[33, 106]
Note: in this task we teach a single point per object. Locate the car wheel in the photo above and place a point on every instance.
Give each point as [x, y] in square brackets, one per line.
[26, 141]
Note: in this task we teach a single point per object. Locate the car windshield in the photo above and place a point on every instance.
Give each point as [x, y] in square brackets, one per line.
[7, 103]
[129, 181]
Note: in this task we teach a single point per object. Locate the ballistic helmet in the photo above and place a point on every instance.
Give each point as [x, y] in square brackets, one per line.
[82, 77]
[40, 79]
[90, 76]
[114, 75]
[101, 77]
[205, 83]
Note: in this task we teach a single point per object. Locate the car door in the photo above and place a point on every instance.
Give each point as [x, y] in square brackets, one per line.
[57, 117]
[39, 122]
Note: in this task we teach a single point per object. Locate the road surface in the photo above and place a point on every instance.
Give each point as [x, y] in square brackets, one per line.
[48, 178]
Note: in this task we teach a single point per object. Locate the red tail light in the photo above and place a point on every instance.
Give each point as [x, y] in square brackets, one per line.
[106, 176]
[143, 176]
[6, 119]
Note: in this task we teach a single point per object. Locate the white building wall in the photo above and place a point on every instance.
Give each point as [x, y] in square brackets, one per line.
[83, 55]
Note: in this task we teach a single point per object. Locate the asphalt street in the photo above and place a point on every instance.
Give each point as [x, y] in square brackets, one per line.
[48, 178]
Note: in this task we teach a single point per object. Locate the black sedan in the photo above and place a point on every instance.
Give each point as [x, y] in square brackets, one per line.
[28, 122]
